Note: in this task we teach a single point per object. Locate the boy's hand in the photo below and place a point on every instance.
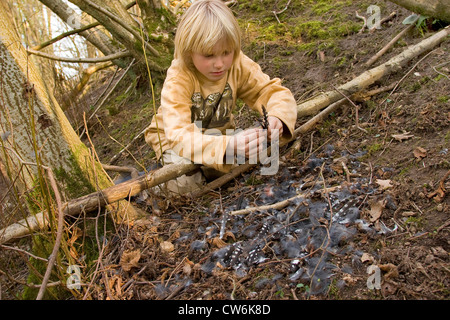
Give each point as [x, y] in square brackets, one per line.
[247, 142]
[275, 126]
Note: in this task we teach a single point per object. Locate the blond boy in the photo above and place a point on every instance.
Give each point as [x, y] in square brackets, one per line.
[208, 73]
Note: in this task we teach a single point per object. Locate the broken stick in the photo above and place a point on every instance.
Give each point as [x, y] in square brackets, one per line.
[372, 60]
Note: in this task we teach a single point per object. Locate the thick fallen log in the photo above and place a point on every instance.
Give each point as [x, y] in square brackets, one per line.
[439, 9]
[135, 186]
[311, 107]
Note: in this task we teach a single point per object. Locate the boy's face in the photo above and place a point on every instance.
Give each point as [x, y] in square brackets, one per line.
[214, 66]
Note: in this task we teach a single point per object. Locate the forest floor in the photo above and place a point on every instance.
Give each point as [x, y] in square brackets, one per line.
[373, 218]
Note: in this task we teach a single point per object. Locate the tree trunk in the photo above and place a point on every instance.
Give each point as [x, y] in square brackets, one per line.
[439, 9]
[34, 130]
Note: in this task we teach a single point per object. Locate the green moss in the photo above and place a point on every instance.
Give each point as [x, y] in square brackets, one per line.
[373, 148]
[416, 221]
[311, 30]
[42, 248]
[75, 182]
[443, 99]
[323, 7]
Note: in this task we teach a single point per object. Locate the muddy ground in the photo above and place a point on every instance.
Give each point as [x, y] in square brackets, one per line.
[371, 220]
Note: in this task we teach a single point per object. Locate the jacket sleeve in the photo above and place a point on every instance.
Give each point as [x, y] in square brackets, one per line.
[256, 89]
[183, 136]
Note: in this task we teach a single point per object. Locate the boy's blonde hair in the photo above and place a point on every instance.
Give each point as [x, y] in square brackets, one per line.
[202, 26]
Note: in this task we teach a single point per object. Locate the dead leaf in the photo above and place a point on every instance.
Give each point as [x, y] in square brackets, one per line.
[384, 184]
[388, 288]
[409, 213]
[420, 153]
[367, 257]
[402, 136]
[217, 242]
[439, 193]
[322, 56]
[130, 259]
[376, 208]
[167, 246]
[390, 269]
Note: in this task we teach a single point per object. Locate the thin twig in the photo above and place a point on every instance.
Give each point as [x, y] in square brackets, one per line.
[356, 109]
[23, 251]
[389, 45]
[59, 234]
[276, 13]
[107, 96]
[364, 19]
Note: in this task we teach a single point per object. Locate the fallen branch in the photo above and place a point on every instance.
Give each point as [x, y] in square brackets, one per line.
[279, 205]
[276, 206]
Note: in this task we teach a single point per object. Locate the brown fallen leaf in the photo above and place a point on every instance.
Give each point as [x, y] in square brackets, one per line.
[402, 136]
[420, 153]
[367, 257]
[130, 259]
[384, 184]
[376, 208]
[390, 269]
[167, 246]
[217, 242]
[439, 194]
